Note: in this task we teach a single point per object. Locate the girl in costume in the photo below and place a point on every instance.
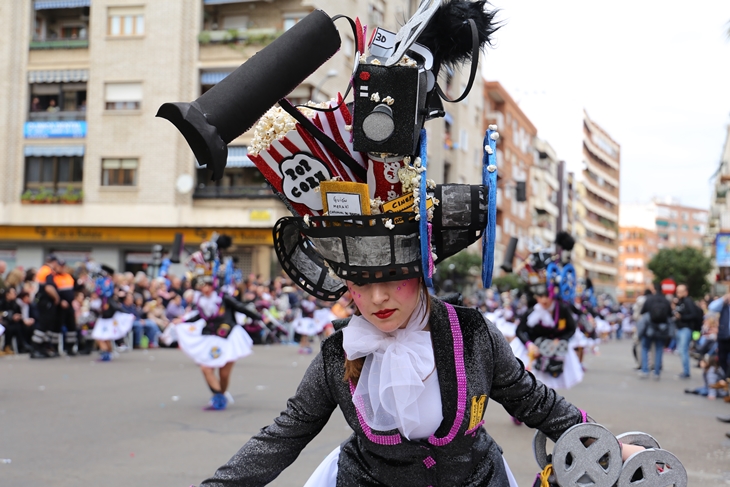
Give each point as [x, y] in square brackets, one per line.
[112, 324]
[547, 327]
[412, 374]
[211, 336]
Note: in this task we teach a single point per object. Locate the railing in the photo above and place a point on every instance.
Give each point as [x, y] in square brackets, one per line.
[232, 192]
[248, 36]
[72, 195]
[57, 116]
[60, 44]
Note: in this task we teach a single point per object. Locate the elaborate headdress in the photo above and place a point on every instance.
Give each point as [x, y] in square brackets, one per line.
[550, 272]
[355, 176]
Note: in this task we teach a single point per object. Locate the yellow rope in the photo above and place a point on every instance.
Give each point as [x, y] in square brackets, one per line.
[545, 474]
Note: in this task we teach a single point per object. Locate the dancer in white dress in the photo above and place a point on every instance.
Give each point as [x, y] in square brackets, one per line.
[211, 336]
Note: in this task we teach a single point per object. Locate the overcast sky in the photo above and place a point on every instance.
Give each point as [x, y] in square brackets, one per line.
[654, 74]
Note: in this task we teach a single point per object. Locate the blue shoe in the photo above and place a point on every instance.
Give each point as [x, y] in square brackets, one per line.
[217, 403]
[105, 357]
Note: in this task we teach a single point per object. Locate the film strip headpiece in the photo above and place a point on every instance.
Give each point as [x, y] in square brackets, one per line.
[354, 176]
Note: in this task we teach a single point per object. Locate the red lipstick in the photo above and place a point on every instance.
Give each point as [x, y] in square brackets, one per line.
[384, 314]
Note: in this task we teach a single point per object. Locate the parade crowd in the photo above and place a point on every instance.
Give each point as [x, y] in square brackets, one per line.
[53, 310]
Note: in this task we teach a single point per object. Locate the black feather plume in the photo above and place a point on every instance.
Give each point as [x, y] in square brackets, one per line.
[224, 241]
[448, 34]
[565, 240]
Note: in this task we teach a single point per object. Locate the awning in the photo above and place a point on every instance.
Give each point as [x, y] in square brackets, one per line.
[237, 157]
[48, 4]
[221, 2]
[54, 150]
[58, 76]
[213, 77]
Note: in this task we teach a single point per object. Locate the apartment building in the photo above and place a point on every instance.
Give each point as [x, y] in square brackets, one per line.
[637, 246]
[676, 225]
[91, 173]
[598, 208]
[545, 194]
[515, 156]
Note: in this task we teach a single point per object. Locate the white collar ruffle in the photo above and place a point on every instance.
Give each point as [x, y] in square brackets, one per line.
[396, 366]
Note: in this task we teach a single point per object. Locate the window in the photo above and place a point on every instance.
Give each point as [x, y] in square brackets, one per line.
[54, 173]
[125, 21]
[119, 172]
[685, 228]
[291, 19]
[123, 96]
[57, 101]
[375, 12]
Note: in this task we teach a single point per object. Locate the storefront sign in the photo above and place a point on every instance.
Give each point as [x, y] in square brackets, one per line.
[260, 215]
[55, 130]
[722, 250]
[193, 236]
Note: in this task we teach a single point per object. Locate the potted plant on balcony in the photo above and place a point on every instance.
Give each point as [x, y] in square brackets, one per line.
[45, 196]
[72, 197]
[27, 197]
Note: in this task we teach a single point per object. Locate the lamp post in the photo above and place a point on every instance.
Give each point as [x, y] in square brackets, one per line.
[330, 74]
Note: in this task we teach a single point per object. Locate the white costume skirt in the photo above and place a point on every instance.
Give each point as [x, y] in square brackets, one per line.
[2, 330]
[572, 370]
[602, 326]
[326, 473]
[114, 328]
[212, 350]
[579, 340]
[307, 327]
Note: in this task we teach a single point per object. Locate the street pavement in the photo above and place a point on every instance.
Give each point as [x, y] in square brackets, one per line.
[138, 421]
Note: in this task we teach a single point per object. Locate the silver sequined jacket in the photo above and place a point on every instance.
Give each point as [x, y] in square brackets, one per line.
[474, 363]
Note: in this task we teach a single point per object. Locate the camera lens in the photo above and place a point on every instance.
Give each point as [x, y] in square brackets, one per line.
[378, 125]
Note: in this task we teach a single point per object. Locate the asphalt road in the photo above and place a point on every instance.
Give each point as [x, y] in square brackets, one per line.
[138, 420]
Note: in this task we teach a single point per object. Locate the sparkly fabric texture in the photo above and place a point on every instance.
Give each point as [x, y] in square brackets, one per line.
[489, 368]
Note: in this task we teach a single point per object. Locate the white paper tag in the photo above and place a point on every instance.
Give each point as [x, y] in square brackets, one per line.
[343, 204]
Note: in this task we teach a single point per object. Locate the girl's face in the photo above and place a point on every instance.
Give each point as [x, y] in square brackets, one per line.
[387, 305]
[545, 301]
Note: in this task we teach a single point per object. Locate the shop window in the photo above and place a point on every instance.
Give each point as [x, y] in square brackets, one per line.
[125, 21]
[56, 174]
[123, 96]
[119, 172]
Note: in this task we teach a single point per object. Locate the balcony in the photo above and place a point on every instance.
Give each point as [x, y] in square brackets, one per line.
[72, 195]
[59, 44]
[61, 24]
[65, 116]
[248, 37]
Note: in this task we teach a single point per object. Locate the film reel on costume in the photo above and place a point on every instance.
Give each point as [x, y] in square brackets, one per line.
[597, 464]
[653, 468]
[639, 438]
[552, 348]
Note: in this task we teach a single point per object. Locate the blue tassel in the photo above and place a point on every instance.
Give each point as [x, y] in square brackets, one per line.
[423, 222]
[489, 179]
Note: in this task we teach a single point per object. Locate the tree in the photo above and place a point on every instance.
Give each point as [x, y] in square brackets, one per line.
[458, 272]
[509, 282]
[686, 266]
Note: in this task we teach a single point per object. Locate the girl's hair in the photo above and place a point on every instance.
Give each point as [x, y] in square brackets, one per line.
[353, 368]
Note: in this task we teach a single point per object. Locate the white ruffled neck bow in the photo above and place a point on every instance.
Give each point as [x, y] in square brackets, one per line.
[396, 365]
